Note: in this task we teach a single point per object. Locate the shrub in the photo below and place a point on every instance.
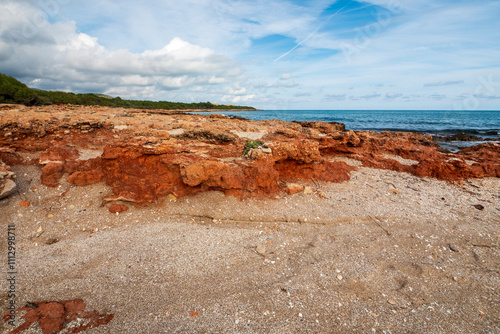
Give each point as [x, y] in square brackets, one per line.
[251, 144]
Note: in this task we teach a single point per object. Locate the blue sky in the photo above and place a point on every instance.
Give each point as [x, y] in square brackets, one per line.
[272, 54]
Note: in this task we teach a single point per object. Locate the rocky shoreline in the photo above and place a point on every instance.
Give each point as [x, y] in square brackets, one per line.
[146, 155]
[324, 230]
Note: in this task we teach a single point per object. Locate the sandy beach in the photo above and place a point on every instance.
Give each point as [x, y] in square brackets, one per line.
[386, 250]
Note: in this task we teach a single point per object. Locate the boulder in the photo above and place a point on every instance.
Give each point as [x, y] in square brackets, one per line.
[7, 184]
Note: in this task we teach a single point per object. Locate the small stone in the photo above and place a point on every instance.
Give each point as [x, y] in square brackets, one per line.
[9, 187]
[50, 216]
[117, 208]
[392, 301]
[302, 220]
[71, 206]
[172, 197]
[479, 206]
[294, 188]
[260, 249]
[453, 247]
[24, 203]
[340, 278]
[308, 191]
[67, 132]
[266, 150]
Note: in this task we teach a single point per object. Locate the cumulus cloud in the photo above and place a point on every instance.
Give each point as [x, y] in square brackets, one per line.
[186, 50]
[55, 56]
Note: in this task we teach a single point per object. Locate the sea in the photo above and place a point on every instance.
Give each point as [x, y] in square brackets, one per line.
[484, 124]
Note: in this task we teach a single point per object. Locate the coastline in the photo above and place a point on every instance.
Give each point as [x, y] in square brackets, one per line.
[435, 122]
[160, 222]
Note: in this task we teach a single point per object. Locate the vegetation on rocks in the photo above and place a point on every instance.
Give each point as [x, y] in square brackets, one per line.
[251, 144]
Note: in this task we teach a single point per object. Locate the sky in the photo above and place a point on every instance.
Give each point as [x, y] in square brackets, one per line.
[270, 54]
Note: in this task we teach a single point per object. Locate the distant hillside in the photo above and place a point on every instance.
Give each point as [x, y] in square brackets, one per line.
[14, 91]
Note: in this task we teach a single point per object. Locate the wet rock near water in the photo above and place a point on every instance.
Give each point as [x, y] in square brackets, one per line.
[459, 137]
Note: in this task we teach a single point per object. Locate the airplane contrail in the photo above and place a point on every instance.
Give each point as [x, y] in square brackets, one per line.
[316, 29]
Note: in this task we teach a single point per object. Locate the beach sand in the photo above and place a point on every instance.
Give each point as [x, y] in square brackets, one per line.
[385, 251]
[381, 250]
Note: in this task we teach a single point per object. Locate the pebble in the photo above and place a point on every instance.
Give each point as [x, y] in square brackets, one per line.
[294, 188]
[260, 249]
[340, 278]
[266, 150]
[453, 247]
[392, 301]
[308, 191]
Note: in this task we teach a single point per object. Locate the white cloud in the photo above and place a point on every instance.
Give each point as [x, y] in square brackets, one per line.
[425, 52]
[285, 76]
[55, 55]
[392, 95]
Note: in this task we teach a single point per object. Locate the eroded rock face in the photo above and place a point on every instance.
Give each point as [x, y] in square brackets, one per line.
[143, 156]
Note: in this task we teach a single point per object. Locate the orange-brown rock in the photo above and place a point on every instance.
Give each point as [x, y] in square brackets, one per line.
[55, 316]
[58, 154]
[52, 173]
[291, 170]
[294, 188]
[117, 208]
[146, 155]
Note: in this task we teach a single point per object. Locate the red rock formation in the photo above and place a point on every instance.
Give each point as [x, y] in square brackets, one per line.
[143, 157]
[56, 316]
